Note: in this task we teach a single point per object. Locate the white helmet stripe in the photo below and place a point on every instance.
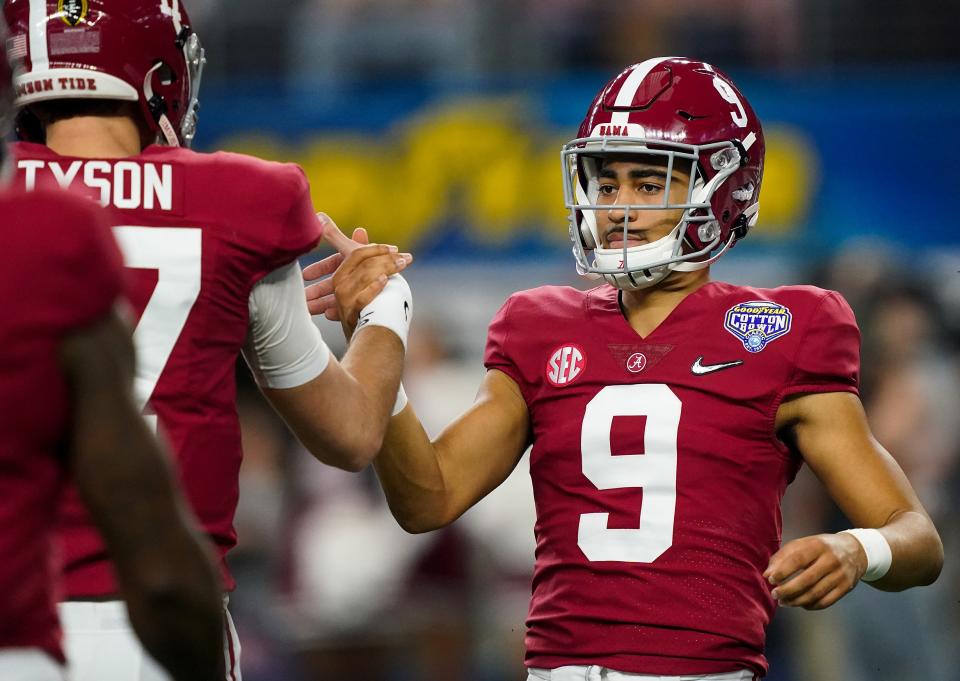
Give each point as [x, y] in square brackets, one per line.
[630, 86]
[172, 11]
[176, 17]
[39, 54]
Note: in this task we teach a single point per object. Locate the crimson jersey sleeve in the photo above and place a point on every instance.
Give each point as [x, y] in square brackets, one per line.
[495, 356]
[299, 229]
[275, 197]
[508, 342]
[828, 355]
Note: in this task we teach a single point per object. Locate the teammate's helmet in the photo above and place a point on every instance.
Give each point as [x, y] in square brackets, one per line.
[690, 117]
[134, 50]
[6, 99]
[6, 84]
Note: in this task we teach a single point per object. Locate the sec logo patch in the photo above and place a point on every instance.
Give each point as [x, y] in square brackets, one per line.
[566, 364]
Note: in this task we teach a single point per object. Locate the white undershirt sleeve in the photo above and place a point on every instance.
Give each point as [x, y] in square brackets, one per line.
[284, 348]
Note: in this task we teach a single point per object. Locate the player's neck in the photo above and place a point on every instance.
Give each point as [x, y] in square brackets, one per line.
[645, 309]
[95, 137]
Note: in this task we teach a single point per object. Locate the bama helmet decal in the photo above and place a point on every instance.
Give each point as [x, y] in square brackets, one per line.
[757, 323]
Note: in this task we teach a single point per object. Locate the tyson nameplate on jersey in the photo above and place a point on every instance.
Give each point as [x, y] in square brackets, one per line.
[126, 184]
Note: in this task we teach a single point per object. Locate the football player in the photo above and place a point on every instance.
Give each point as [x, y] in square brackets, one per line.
[667, 412]
[68, 411]
[108, 97]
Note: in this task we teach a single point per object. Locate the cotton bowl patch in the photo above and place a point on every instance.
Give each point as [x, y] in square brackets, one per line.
[757, 322]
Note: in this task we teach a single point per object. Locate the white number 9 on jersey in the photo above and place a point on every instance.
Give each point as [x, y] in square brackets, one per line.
[655, 471]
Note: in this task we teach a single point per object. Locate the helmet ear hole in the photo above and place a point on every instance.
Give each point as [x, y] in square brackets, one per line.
[165, 75]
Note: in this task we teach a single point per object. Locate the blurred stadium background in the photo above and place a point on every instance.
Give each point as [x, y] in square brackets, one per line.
[437, 124]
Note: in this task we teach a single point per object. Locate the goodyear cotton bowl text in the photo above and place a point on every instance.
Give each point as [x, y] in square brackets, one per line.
[757, 322]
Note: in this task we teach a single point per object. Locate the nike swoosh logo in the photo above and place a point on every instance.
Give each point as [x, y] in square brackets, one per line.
[699, 369]
[406, 311]
[363, 319]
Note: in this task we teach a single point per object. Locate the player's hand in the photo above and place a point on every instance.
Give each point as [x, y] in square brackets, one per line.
[815, 572]
[359, 270]
[320, 296]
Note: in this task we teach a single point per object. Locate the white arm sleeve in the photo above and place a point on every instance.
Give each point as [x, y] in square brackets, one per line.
[284, 348]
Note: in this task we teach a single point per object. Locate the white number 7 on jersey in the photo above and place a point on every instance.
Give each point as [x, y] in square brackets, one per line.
[175, 253]
[655, 471]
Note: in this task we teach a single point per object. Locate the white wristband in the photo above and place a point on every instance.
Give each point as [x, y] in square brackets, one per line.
[401, 401]
[392, 308]
[875, 545]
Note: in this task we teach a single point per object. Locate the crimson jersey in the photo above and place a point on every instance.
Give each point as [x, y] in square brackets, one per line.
[197, 231]
[656, 470]
[60, 272]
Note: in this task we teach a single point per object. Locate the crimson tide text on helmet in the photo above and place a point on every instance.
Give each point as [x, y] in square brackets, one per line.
[133, 50]
[687, 115]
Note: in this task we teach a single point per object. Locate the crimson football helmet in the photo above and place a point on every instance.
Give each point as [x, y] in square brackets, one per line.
[688, 116]
[134, 50]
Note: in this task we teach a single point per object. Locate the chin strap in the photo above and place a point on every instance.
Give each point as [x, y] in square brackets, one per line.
[693, 266]
[157, 107]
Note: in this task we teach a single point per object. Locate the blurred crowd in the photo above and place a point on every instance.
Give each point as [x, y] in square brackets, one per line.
[332, 588]
[336, 41]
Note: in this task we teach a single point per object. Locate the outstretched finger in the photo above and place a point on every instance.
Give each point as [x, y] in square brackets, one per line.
[333, 236]
[360, 236]
[323, 267]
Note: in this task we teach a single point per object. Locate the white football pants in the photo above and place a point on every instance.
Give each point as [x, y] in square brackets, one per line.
[100, 645]
[29, 664]
[597, 673]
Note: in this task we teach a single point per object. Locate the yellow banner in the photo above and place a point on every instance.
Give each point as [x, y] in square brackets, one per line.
[488, 164]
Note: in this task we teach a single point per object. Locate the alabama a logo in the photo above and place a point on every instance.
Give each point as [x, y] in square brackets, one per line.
[636, 362]
[72, 12]
[566, 364]
[757, 323]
